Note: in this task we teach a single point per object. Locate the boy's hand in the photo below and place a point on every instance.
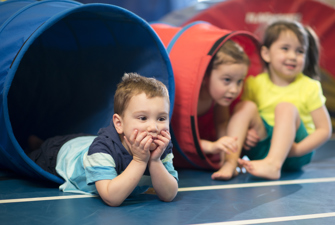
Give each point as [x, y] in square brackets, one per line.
[251, 139]
[162, 142]
[225, 144]
[139, 144]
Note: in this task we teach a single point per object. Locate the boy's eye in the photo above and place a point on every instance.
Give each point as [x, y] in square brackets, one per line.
[161, 118]
[285, 48]
[142, 118]
[239, 82]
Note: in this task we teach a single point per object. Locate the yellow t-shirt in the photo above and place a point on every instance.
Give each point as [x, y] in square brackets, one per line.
[305, 93]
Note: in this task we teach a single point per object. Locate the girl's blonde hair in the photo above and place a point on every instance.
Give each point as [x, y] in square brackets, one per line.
[229, 53]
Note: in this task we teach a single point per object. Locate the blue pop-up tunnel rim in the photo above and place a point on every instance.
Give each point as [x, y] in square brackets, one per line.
[59, 67]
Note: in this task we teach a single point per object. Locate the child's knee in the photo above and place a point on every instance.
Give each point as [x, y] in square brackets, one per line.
[286, 110]
[286, 107]
[246, 106]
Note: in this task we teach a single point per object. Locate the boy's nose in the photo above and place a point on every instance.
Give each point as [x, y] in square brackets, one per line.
[152, 127]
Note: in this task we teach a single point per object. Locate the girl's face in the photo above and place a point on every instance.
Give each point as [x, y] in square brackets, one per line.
[226, 82]
[286, 58]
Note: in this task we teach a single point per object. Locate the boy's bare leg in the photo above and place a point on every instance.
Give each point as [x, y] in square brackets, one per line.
[245, 116]
[287, 121]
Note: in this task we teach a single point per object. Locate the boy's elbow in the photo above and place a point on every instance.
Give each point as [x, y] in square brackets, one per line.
[168, 198]
[172, 198]
[113, 202]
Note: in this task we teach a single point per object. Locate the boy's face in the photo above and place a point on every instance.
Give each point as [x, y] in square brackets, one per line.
[150, 115]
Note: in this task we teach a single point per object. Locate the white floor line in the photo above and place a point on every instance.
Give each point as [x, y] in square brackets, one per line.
[203, 188]
[45, 198]
[274, 219]
[257, 184]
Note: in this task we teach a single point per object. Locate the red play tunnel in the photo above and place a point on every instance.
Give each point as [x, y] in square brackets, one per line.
[191, 49]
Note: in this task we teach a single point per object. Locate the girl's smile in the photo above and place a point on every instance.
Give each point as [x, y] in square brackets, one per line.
[290, 66]
[286, 58]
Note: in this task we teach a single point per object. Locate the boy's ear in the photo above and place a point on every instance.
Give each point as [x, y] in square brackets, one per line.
[265, 53]
[117, 120]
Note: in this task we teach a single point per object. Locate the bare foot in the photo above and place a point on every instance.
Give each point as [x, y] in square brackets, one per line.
[261, 168]
[226, 172]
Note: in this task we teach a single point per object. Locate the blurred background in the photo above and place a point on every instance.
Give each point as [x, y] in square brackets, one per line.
[248, 15]
[174, 11]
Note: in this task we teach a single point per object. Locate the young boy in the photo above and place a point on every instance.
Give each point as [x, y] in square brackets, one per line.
[117, 162]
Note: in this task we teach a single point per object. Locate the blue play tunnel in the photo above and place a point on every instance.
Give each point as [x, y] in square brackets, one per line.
[59, 66]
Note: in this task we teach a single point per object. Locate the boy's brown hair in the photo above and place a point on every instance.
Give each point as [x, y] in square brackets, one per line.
[133, 84]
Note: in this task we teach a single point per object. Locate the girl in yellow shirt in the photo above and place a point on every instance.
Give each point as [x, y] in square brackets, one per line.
[285, 105]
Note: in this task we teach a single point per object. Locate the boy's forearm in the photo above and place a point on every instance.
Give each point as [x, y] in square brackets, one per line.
[165, 185]
[114, 192]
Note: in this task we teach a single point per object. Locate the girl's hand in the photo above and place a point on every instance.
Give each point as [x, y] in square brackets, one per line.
[251, 139]
[139, 145]
[225, 144]
[162, 142]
